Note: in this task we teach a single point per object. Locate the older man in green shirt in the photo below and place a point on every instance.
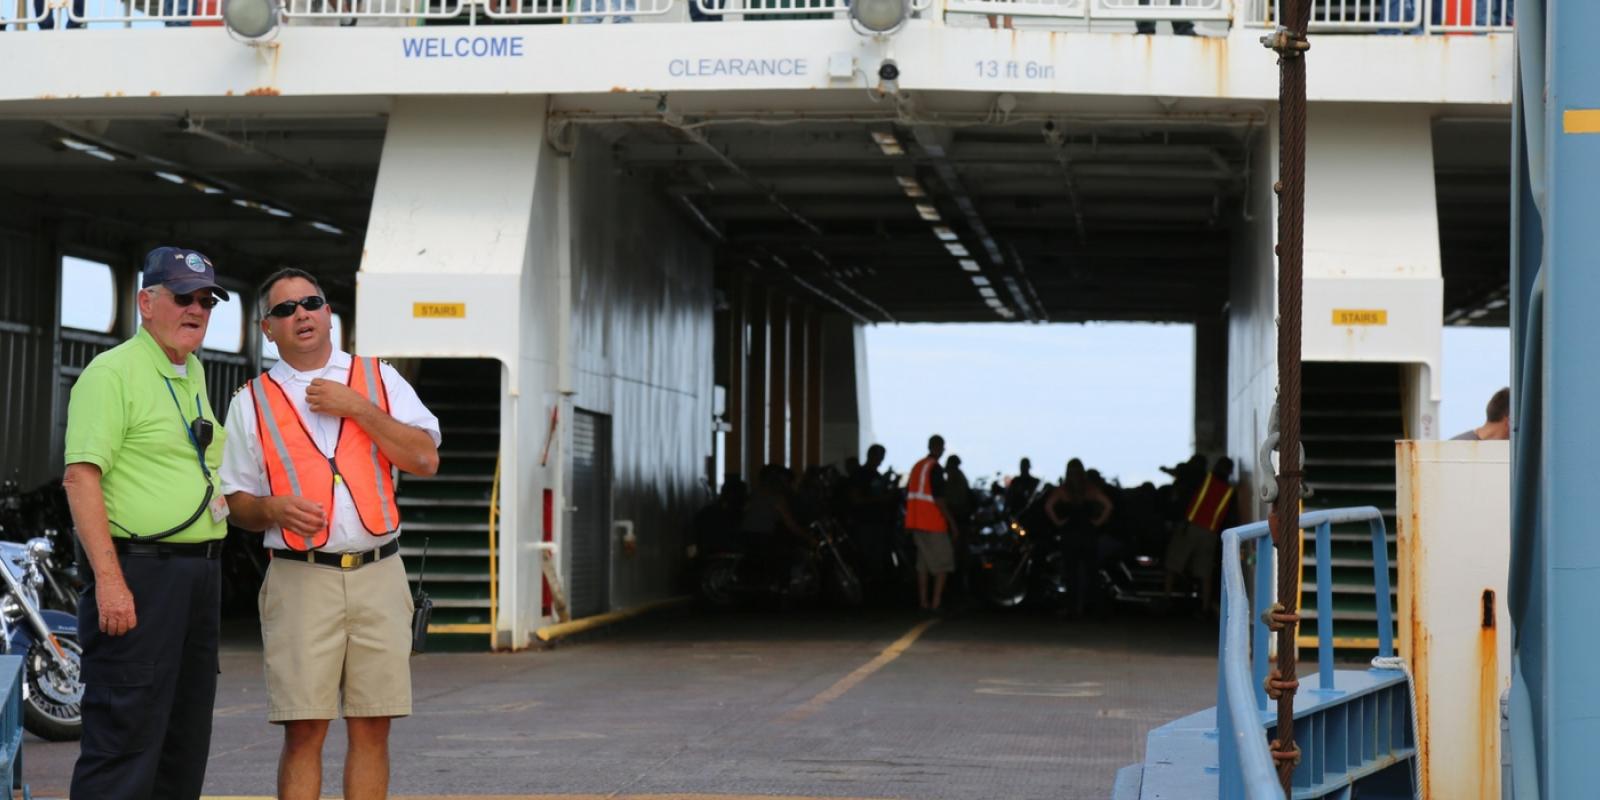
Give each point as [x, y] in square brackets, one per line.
[142, 451]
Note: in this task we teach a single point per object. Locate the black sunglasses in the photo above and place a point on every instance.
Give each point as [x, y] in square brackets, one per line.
[287, 307]
[208, 302]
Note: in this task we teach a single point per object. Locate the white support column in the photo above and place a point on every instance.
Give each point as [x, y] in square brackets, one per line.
[464, 216]
[1374, 289]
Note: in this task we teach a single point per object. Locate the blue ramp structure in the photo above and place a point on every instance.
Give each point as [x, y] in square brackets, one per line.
[1356, 728]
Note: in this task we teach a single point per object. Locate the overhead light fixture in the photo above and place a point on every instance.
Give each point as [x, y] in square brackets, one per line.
[969, 264]
[910, 186]
[204, 188]
[251, 19]
[944, 233]
[956, 249]
[88, 149]
[879, 17]
[888, 144]
[928, 212]
[987, 292]
[170, 177]
[277, 212]
[326, 228]
[979, 280]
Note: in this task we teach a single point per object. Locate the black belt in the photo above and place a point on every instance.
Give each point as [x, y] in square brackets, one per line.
[344, 561]
[211, 549]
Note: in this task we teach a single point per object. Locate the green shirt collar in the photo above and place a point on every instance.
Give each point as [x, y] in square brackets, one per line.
[159, 356]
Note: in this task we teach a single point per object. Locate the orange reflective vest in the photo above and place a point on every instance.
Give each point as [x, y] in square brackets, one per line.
[922, 512]
[1210, 505]
[295, 466]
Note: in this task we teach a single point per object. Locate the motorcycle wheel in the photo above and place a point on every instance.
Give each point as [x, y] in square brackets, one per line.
[1003, 582]
[52, 701]
[717, 583]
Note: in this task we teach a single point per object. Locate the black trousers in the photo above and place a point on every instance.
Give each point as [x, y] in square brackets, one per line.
[148, 694]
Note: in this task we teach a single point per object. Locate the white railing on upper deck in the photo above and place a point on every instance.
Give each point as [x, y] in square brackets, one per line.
[1062, 9]
[1408, 16]
[1162, 9]
[576, 10]
[331, 11]
[1328, 16]
[772, 8]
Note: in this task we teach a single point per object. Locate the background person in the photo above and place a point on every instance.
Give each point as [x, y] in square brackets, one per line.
[1497, 420]
[931, 526]
[141, 449]
[335, 606]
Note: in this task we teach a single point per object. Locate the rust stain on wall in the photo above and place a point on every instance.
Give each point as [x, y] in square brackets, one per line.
[263, 91]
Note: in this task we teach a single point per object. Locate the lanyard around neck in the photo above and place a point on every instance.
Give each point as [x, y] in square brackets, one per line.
[188, 428]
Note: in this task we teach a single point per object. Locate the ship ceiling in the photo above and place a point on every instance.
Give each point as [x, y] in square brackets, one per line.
[890, 219]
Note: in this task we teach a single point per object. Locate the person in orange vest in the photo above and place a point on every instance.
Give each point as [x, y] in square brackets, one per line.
[1192, 551]
[310, 461]
[931, 526]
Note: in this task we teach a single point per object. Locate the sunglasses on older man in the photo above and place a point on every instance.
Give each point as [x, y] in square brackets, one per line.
[287, 307]
[207, 302]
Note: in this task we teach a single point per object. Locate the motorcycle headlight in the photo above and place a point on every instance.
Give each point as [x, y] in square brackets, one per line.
[40, 548]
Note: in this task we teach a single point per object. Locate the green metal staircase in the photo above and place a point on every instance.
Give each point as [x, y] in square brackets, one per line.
[451, 511]
[1352, 417]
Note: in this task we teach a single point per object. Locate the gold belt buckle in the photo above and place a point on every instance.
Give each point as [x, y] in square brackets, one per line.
[349, 560]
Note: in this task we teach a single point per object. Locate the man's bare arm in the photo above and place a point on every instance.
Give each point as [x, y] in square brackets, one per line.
[88, 505]
[287, 511]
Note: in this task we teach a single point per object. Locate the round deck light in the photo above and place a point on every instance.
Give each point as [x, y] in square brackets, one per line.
[879, 17]
[251, 19]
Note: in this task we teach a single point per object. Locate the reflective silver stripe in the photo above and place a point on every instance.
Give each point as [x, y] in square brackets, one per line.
[258, 390]
[382, 474]
[920, 496]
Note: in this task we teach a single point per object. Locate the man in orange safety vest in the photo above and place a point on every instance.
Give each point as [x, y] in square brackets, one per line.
[931, 526]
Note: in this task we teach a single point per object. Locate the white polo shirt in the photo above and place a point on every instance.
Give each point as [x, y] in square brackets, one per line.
[244, 470]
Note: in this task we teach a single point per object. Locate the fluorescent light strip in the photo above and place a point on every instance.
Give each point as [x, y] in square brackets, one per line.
[888, 144]
[968, 264]
[910, 186]
[987, 292]
[944, 233]
[928, 212]
[326, 228]
[170, 177]
[979, 280]
[956, 249]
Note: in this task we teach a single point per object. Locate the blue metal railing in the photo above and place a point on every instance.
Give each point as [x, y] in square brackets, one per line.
[1245, 765]
[11, 725]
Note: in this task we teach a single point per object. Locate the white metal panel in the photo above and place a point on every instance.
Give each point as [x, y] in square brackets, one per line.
[1410, 333]
[1371, 206]
[1455, 552]
[123, 68]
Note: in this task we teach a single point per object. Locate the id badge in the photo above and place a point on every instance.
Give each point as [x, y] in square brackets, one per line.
[219, 508]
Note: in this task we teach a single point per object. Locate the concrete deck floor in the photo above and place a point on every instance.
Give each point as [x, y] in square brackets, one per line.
[745, 705]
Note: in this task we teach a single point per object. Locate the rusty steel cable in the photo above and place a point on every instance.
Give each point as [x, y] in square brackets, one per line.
[1289, 41]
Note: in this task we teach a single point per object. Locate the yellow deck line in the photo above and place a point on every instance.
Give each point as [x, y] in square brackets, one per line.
[861, 673]
[552, 632]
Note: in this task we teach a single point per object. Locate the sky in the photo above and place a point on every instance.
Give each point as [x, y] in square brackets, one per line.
[1119, 396]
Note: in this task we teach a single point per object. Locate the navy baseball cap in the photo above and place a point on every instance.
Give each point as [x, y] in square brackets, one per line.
[181, 270]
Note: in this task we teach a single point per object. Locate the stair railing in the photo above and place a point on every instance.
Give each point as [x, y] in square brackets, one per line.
[1245, 762]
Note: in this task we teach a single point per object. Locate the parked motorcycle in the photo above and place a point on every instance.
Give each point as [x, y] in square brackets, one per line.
[43, 512]
[47, 640]
[729, 578]
[1014, 565]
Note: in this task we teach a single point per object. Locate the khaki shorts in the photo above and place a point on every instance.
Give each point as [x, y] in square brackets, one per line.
[1193, 552]
[935, 554]
[336, 639]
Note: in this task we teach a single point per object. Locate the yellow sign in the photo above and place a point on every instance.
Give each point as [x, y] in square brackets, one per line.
[1580, 121]
[439, 310]
[1360, 316]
